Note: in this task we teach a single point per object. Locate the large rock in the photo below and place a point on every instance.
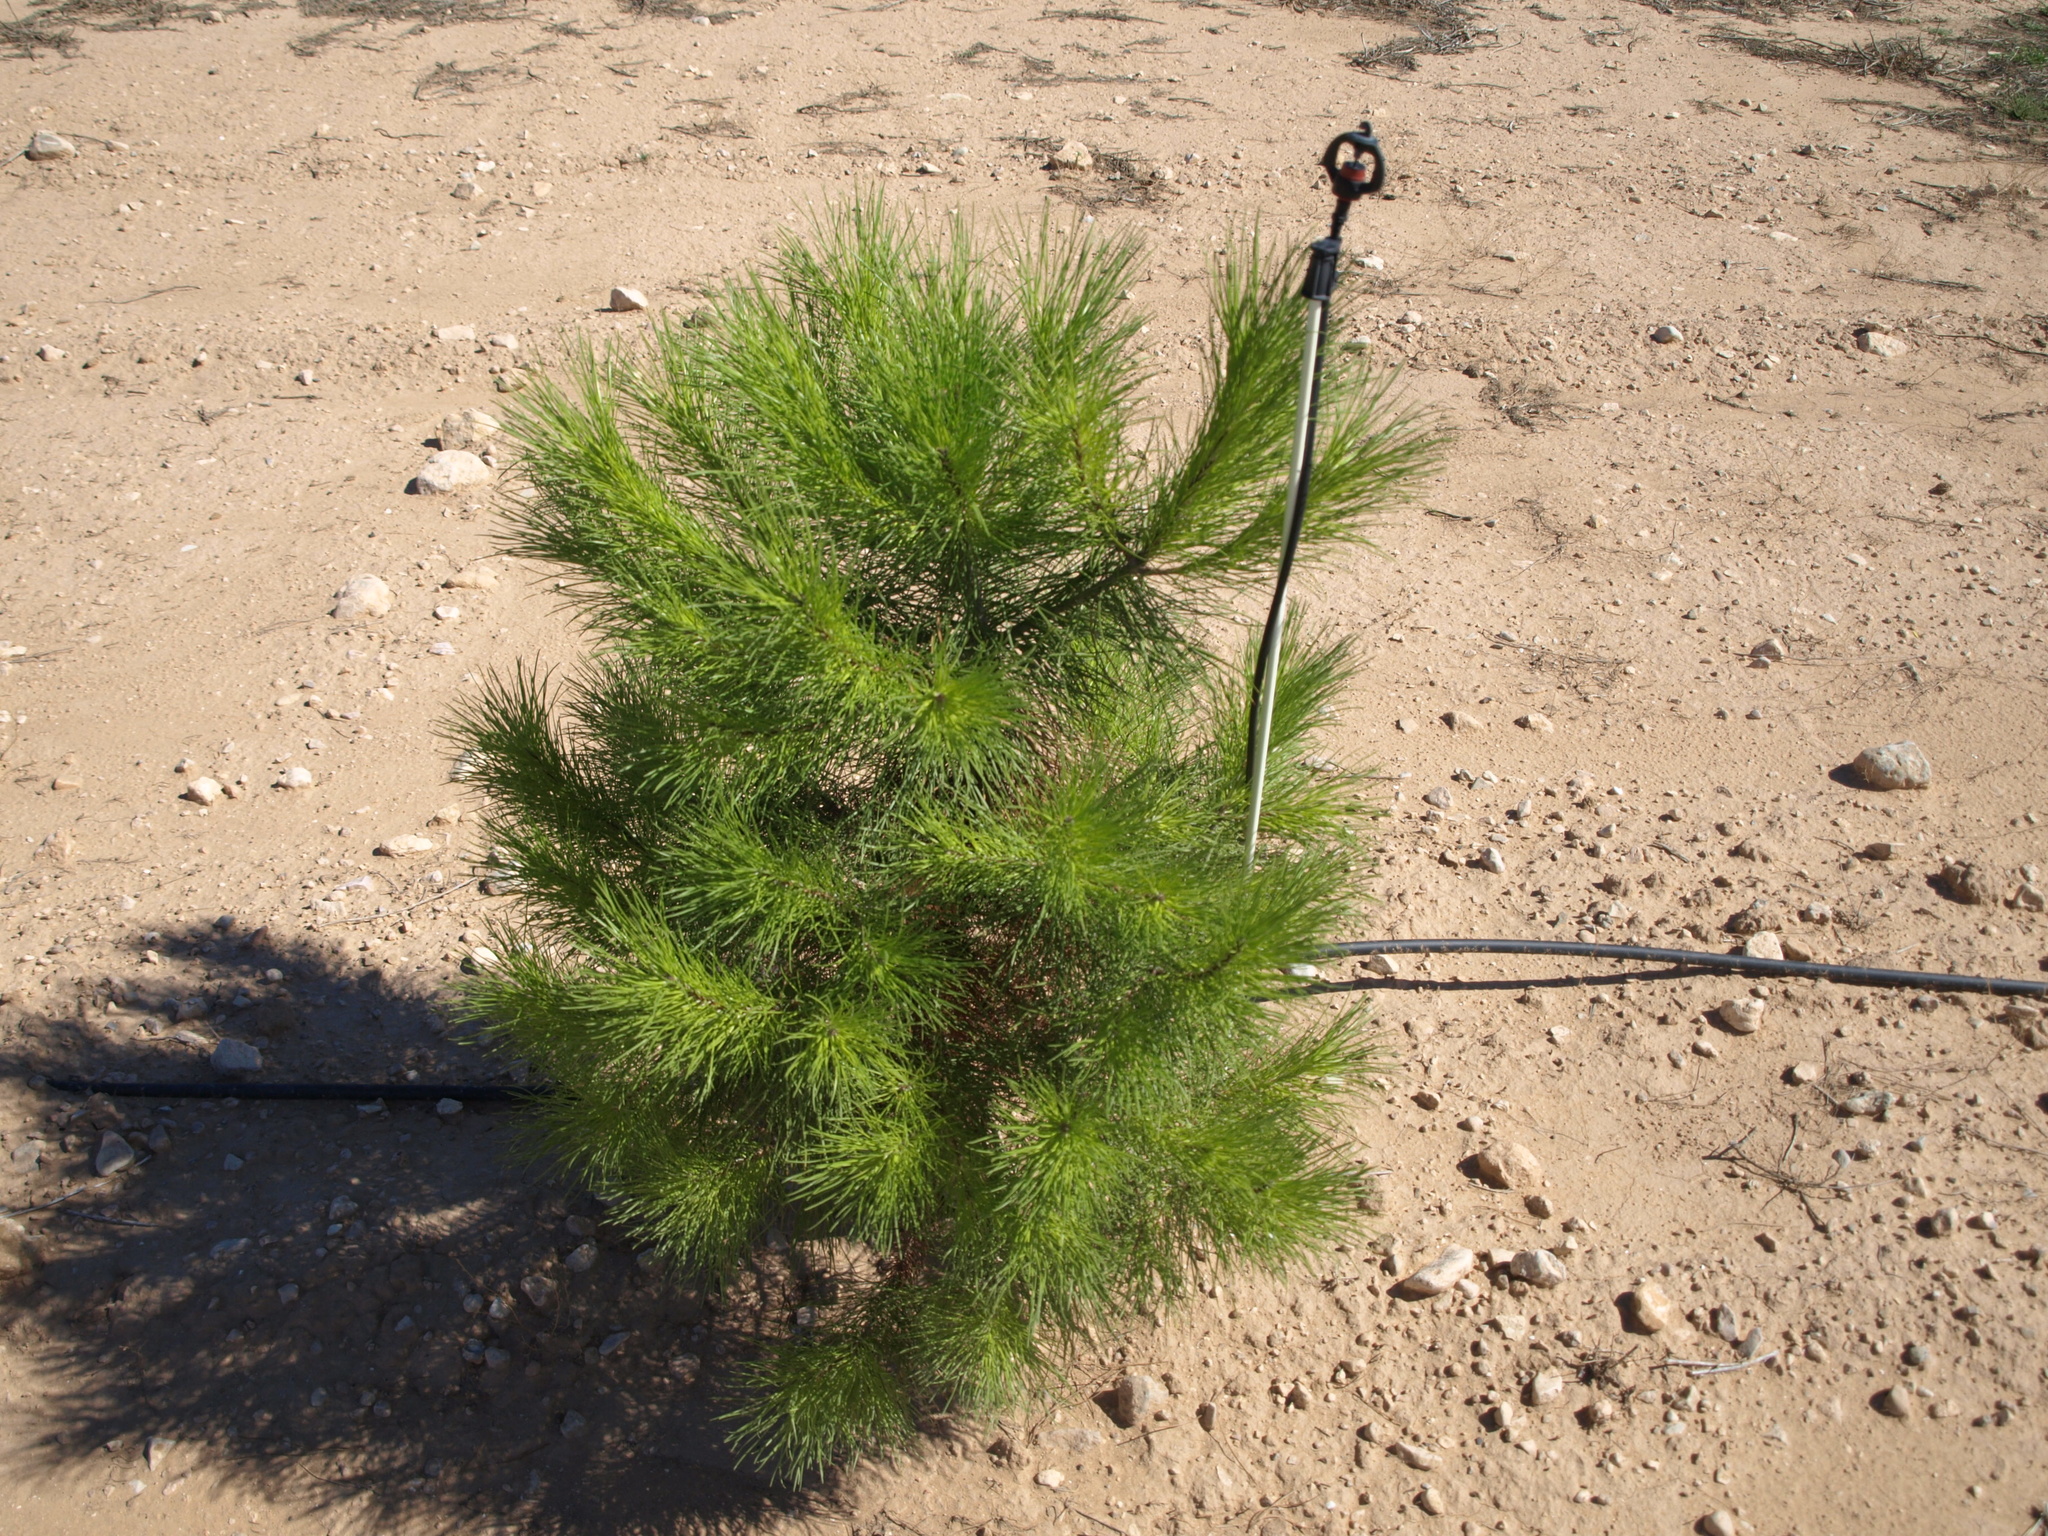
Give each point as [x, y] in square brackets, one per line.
[1508, 1166]
[1898, 765]
[50, 146]
[452, 469]
[362, 597]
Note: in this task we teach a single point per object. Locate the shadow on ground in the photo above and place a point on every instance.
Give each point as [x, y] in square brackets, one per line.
[381, 1319]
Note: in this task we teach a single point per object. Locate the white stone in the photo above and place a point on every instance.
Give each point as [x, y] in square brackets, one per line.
[1421, 1458]
[295, 777]
[1897, 765]
[455, 333]
[51, 353]
[504, 339]
[1667, 335]
[1051, 1477]
[1878, 344]
[625, 300]
[362, 597]
[1459, 720]
[1534, 721]
[1741, 1015]
[1545, 1388]
[447, 611]
[450, 470]
[1720, 1522]
[202, 791]
[235, 1056]
[473, 578]
[1765, 945]
[1382, 965]
[448, 1109]
[1493, 861]
[1439, 1275]
[1073, 155]
[405, 843]
[1539, 1267]
[50, 146]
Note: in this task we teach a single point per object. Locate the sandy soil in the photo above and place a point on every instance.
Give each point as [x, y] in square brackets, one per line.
[238, 280]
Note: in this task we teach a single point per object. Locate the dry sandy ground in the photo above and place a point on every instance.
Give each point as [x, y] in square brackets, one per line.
[1620, 524]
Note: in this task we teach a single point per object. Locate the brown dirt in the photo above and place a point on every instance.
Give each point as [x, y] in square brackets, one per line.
[1620, 523]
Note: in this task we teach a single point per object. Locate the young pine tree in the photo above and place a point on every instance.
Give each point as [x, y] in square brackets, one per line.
[882, 874]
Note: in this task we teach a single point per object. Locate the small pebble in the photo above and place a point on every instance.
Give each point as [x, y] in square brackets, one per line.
[362, 597]
[1508, 1166]
[1138, 1397]
[1650, 1309]
[236, 1056]
[1879, 344]
[1539, 1267]
[1742, 1015]
[450, 470]
[113, 1155]
[1439, 1275]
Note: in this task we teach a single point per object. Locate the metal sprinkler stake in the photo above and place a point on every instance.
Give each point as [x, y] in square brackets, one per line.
[1350, 179]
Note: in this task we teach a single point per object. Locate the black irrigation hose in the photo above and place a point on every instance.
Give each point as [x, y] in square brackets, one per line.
[1747, 965]
[360, 1093]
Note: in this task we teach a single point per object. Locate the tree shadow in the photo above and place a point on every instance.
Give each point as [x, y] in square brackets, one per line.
[383, 1318]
